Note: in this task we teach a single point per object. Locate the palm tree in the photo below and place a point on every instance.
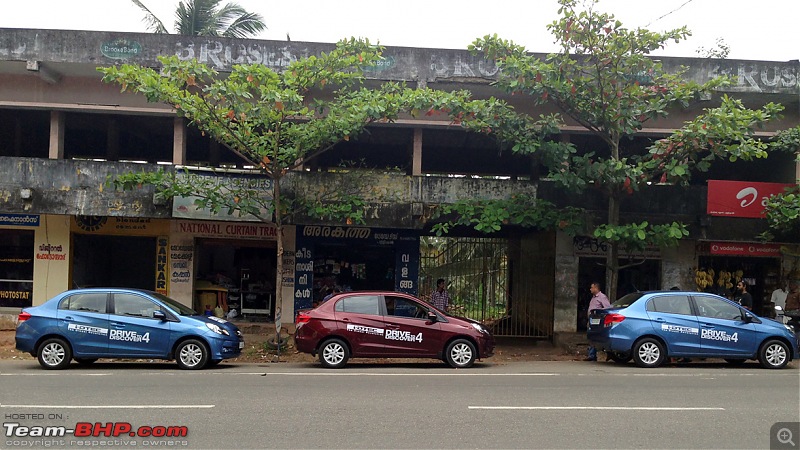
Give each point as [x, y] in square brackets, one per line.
[207, 18]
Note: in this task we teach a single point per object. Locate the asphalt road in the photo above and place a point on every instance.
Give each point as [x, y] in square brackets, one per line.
[410, 405]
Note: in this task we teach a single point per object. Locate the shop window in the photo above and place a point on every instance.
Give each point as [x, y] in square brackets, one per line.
[16, 268]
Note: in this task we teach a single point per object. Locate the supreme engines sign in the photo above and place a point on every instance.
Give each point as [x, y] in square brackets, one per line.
[740, 198]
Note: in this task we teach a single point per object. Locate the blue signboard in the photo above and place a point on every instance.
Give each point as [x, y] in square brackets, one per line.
[405, 244]
[22, 220]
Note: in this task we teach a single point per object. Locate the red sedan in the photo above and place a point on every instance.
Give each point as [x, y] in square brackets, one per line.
[389, 325]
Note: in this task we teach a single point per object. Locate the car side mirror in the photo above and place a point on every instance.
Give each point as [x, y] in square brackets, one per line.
[159, 315]
[433, 317]
[747, 318]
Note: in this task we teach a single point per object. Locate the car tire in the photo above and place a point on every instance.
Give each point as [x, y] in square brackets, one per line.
[735, 361]
[773, 354]
[54, 354]
[334, 354]
[273, 344]
[461, 354]
[619, 358]
[649, 353]
[191, 354]
[85, 361]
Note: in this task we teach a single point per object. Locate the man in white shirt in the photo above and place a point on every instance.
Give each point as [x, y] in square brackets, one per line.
[779, 296]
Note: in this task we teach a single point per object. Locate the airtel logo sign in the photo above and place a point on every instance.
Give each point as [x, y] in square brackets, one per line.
[749, 195]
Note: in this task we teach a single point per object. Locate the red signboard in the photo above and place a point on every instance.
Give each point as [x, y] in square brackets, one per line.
[740, 198]
[745, 249]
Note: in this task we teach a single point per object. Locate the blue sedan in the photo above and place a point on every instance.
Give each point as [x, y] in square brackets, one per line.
[87, 324]
[649, 327]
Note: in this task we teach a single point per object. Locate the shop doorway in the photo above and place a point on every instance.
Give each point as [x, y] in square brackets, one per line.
[236, 274]
[761, 274]
[113, 261]
[642, 277]
[356, 267]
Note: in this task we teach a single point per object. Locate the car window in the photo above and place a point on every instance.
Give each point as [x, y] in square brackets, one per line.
[673, 304]
[359, 304]
[716, 308]
[134, 305]
[403, 307]
[627, 300]
[90, 302]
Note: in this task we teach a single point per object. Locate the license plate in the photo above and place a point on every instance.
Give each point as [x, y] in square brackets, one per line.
[241, 345]
[594, 321]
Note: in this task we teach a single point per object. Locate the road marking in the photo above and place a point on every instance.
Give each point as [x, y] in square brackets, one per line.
[111, 406]
[54, 374]
[612, 408]
[368, 374]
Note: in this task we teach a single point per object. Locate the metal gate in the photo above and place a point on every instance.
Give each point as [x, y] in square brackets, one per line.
[476, 274]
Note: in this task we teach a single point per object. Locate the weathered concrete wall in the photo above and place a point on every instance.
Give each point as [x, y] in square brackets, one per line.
[677, 266]
[565, 294]
[400, 63]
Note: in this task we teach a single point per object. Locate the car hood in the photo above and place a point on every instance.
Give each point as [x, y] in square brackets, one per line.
[233, 329]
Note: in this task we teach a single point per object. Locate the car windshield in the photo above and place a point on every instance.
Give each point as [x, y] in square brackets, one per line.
[175, 306]
[627, 300]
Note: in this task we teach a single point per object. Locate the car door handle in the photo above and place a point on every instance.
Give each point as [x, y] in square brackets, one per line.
[67, 319]
[392, 327]
[118, 324]
[708, 325]
[660, 320]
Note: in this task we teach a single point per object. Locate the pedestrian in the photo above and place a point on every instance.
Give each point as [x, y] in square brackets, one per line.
[598, 301]
[440, 298]
[745, 299]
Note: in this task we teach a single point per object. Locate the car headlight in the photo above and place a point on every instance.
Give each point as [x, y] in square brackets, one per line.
[479, 327]
[217, 329]
[789, 327]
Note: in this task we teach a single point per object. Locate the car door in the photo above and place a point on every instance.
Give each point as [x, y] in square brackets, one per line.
[674, 321]
[359, 319]
[723, 332]
[409, 332]
[133, 331]
[83, 319]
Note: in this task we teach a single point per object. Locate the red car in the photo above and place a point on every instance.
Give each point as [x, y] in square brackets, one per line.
[389, 325]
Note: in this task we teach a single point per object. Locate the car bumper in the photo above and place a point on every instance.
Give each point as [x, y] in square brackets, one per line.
[225, 348]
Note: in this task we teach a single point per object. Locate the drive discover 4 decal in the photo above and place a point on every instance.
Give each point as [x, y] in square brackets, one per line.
[391, 335]
[130, 336]
[719, 335]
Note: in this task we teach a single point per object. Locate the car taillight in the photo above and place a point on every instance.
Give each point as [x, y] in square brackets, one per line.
[301, 319]
[23, 316]
[612, 318]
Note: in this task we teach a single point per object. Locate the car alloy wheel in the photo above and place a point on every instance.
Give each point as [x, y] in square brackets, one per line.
[192, 355]
[648, 352]
[461, 353]
[334, 354]
[774, 355]
[54, 354]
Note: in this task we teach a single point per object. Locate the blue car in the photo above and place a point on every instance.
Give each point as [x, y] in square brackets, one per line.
[88, 324]
[650, 327]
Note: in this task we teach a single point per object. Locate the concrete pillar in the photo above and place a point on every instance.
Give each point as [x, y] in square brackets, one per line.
[416, 153]
[112, 140]
[57, 135]
[565, 298]
[179, 142]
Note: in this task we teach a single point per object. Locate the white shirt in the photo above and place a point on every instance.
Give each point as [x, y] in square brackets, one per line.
[779, 297]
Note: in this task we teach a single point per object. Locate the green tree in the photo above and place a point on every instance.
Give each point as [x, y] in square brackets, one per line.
[270, 120]
[207, 18]
[783, 210]
[603, 79]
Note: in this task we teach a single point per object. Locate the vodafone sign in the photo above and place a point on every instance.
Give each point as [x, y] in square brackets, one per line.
[740, 198]
[745, 249]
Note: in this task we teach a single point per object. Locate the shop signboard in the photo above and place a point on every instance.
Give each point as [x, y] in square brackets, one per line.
[19, 220]
[740, 198]
[745, 249]
[186, 207]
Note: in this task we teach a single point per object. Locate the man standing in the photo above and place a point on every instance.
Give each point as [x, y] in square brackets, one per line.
[439, 298]
[745, 298]
[598, 301]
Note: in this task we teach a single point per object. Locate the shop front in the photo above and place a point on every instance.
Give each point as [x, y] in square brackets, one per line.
[225, 266]
[723, 264]
[120, 252]
[353, 258]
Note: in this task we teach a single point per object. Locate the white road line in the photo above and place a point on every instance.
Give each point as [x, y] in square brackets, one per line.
[54, 374]
[111, 406]
[368, 374]
[612, 408]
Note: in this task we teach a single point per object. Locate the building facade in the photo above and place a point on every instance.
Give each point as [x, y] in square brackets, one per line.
[64, 134]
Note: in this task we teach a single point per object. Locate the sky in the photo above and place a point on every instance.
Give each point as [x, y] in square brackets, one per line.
[756, 30]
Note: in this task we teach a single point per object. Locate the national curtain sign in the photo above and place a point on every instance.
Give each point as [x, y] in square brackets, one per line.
[740, 198]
